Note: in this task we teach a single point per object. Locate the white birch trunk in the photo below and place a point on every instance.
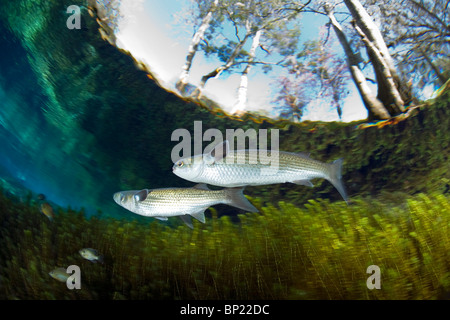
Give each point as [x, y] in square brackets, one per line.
[192, 50]
[389, 84]
[372, 104]
[384, 73]
[370, 29]
[243, 86]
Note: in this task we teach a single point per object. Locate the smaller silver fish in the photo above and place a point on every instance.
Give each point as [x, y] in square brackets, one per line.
[182, 202]
[59, 274]
[91, 255]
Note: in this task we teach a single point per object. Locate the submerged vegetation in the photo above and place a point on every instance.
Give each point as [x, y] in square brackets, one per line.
[318, 251]
[397, 174]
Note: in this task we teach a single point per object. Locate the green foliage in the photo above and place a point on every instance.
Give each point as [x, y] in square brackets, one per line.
[319, 251]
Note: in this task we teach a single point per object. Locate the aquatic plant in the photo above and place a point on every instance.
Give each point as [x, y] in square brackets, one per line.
[295, 248]
[317, 251]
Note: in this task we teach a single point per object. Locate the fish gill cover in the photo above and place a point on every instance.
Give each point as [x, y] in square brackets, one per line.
[80, 122]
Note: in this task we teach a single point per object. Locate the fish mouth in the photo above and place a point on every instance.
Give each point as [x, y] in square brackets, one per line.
[117, 197]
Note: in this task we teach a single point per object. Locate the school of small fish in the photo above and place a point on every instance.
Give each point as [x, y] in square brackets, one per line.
[231, 170]
[90, 254]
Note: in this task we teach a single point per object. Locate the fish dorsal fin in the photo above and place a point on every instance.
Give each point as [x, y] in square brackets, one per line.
[141, 195]
[200, 216]
[303, 154]
[201, 186]
[219, 152]
[187, 220]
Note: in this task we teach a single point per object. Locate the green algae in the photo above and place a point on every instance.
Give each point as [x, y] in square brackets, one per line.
[317, 251]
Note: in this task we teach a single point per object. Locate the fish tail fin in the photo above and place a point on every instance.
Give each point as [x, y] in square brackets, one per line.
[335, 177]
[100, 259]
[237, 199]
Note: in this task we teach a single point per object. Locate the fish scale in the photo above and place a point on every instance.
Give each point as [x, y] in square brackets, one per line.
[231, 173]
[185, 199]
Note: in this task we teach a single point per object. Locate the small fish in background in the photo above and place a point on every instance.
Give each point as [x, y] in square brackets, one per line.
[182, 202]
[47, 210]
[59, 274]
[91, 255]
[224, 168]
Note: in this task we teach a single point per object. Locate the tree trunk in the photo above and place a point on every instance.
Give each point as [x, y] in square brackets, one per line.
[193, 47]
[387, 89]
[374, 106]
[391, 91]
[243, 86]
[369, 28]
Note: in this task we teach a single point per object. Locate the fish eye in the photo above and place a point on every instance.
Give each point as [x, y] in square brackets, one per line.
[180, 164]
[141, 195]
[122, 197]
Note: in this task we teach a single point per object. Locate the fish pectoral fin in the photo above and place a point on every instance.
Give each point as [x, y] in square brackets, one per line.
[200, 216]
[201, 186]
[187, 220]
[161, 218]
[304, 183]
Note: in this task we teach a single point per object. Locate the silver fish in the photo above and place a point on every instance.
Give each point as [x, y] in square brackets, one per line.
[91, 255]
[183, 202]
[225, 168]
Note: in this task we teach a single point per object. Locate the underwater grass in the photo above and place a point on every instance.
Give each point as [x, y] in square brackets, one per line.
[319, 251]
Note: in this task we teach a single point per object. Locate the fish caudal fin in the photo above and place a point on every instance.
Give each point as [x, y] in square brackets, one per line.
[237, 199]
[336, 177]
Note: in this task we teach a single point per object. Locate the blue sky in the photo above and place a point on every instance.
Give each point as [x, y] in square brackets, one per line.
[150, 33]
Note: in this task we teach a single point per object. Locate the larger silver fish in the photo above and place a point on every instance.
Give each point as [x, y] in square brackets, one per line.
[183, 202]
[224, 168]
